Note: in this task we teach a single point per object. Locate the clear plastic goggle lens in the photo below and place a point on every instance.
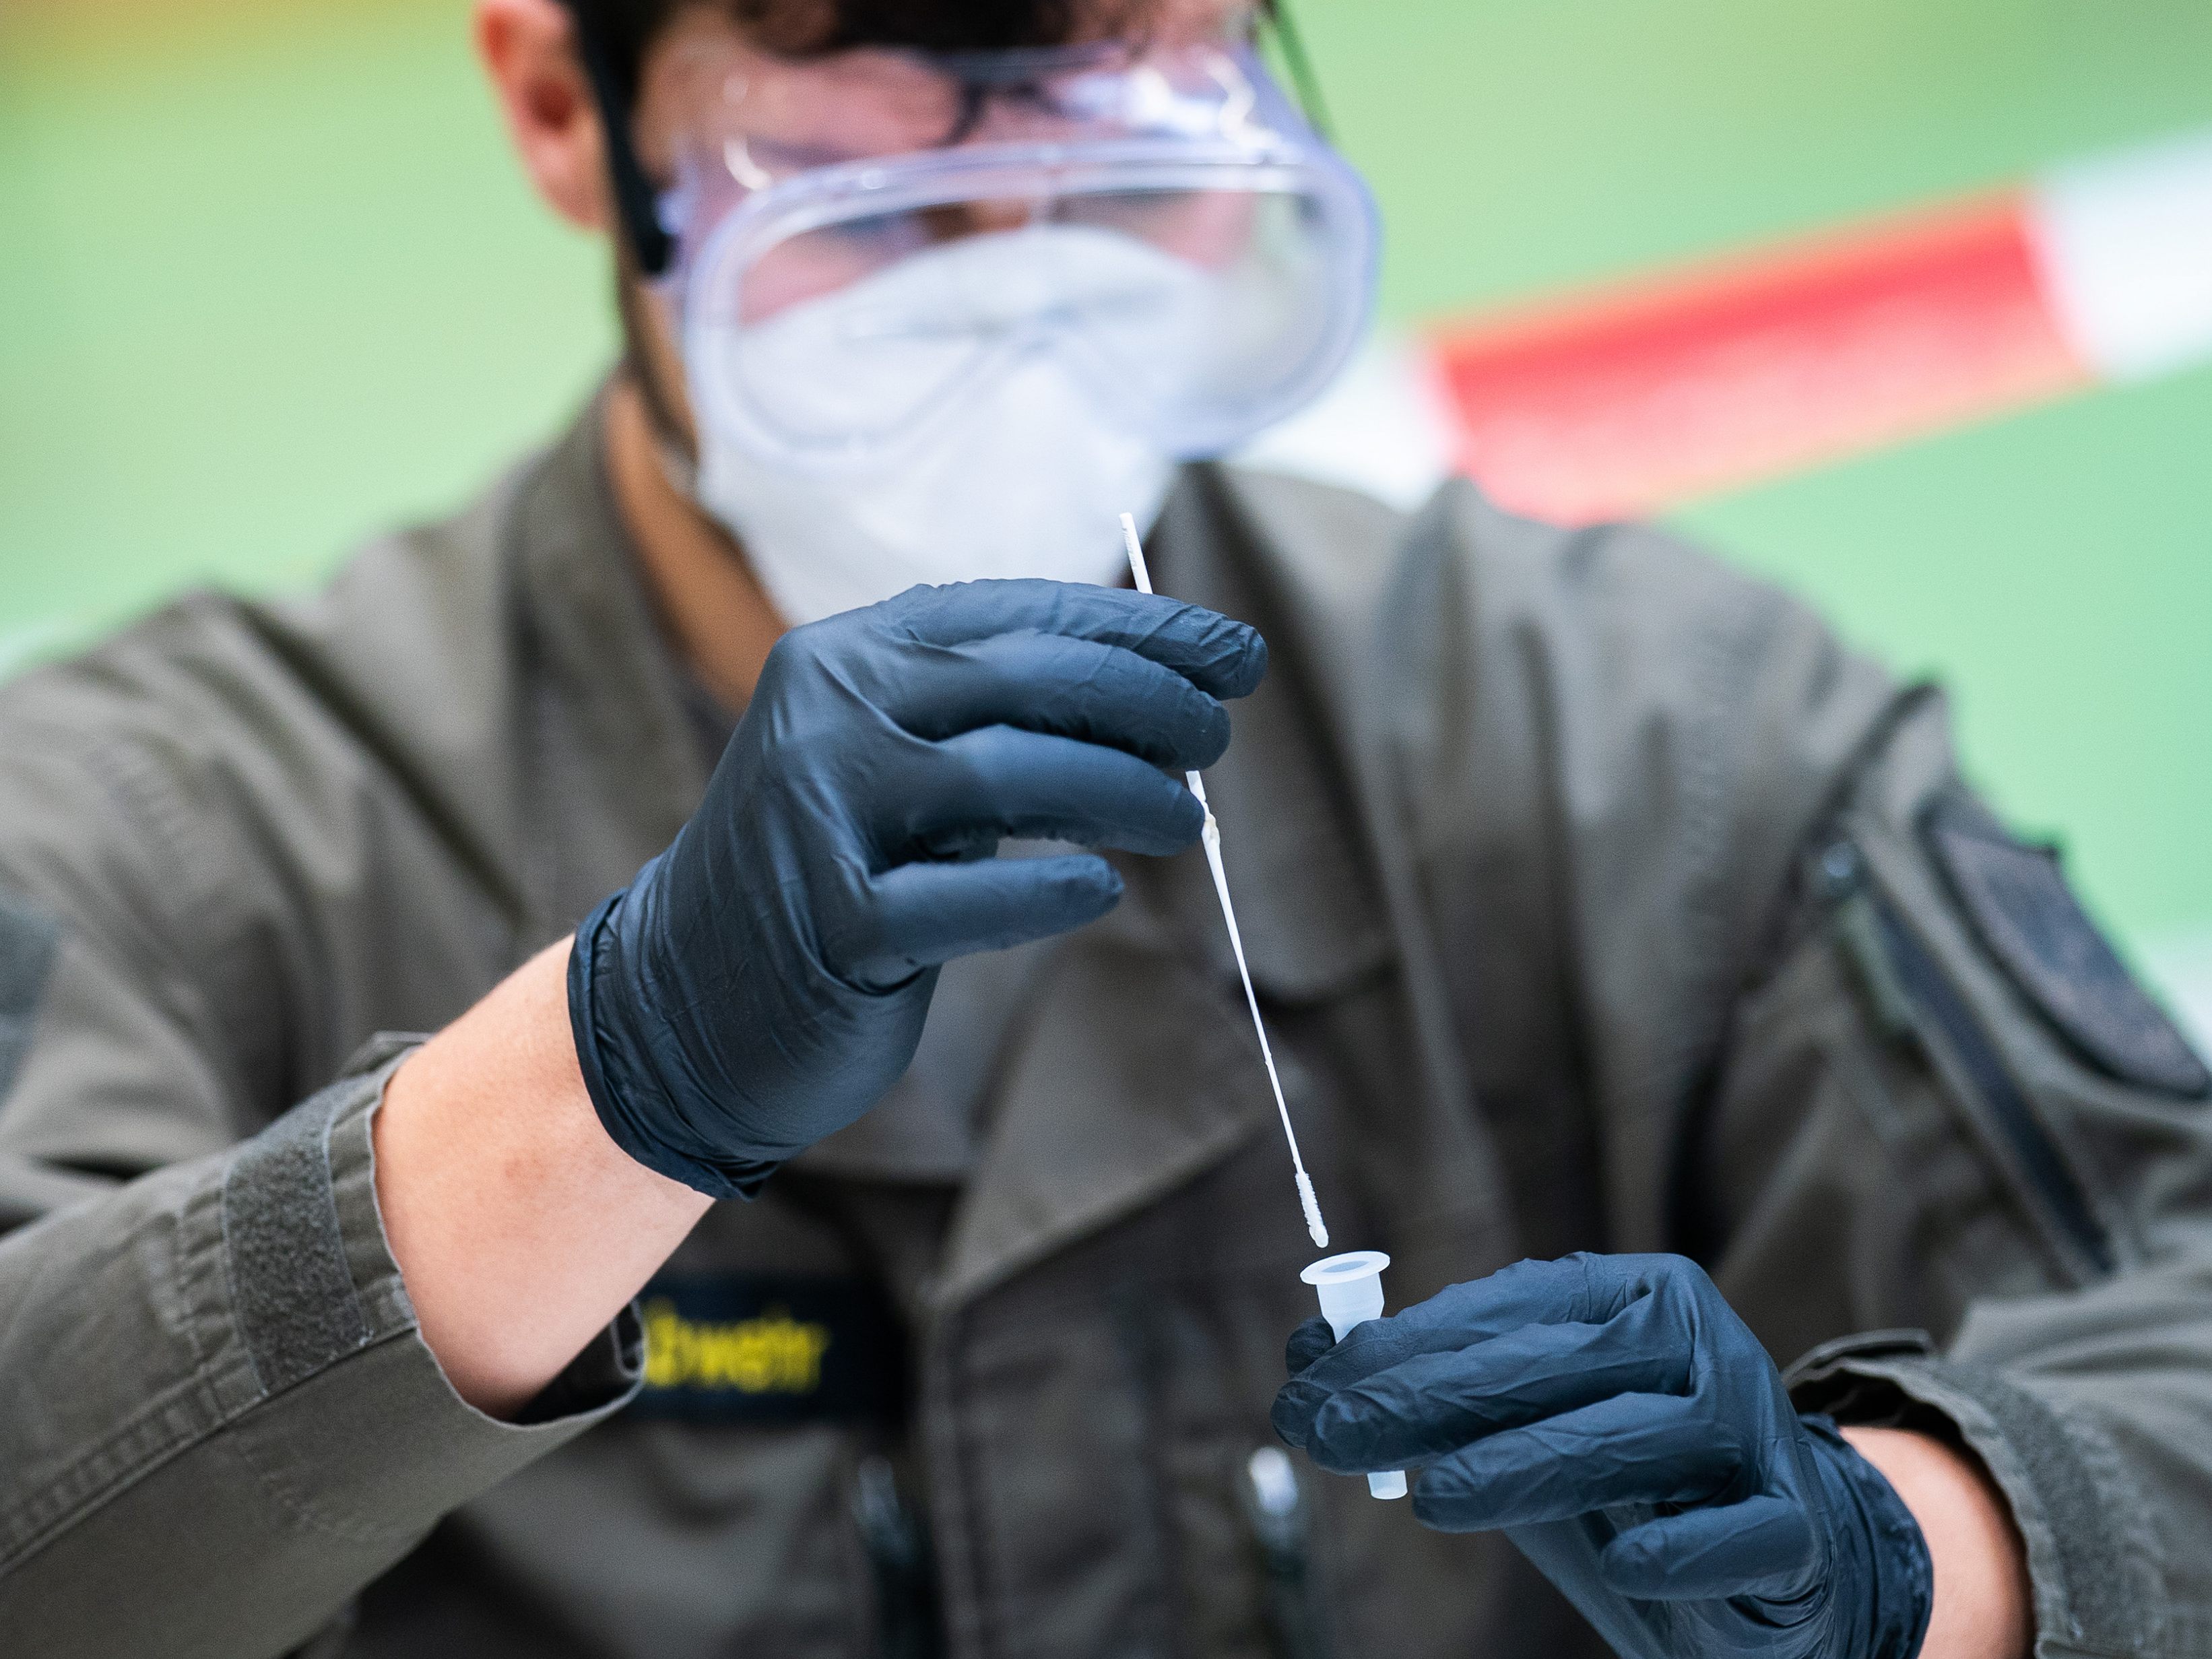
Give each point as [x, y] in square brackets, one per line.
[1201, 286]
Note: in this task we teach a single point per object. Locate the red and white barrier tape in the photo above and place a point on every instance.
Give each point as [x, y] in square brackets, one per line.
[1648, 393]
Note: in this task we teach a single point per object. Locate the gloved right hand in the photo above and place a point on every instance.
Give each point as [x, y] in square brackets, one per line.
[1624, 1427]
[764, 980]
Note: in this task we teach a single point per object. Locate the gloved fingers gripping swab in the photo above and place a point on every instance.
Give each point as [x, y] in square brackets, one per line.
[1307, 1201]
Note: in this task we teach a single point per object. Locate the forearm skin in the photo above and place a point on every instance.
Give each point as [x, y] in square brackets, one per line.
[519, 1227]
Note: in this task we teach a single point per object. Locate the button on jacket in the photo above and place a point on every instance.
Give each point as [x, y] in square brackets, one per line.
[1598, 898]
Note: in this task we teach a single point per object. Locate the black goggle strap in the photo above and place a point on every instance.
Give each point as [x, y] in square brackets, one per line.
[635, 200]
[636, 205]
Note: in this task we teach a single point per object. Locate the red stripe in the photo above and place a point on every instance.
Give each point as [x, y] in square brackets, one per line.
[1635, 397]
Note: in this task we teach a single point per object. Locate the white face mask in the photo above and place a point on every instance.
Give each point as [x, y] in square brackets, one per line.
[1026, 477]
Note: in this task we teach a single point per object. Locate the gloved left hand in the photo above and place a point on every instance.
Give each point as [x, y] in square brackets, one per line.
[1618, 1422]
[764, 980]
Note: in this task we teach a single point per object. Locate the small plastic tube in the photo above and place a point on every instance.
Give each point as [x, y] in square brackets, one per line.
[1351, 1291]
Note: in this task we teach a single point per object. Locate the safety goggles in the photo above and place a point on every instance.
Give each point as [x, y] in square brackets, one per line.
[857, 244]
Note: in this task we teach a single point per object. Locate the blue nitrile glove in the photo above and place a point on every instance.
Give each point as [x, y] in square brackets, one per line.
[763, 981]
[1618, 1422]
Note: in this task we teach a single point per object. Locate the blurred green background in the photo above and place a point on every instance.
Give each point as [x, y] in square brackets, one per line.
[269, 283]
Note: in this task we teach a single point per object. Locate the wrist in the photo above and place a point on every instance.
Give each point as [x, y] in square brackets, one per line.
[1892, 1575]
[1981, 1604]
[616, 1040]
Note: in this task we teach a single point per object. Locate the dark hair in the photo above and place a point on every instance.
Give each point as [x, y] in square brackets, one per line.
[802, 25]
[801, 28]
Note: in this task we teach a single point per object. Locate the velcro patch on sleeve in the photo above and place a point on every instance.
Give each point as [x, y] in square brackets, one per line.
[2016, 899]
[769, 1348]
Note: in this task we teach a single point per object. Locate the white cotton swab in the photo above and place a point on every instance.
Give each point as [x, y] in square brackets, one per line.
[1307, 1201]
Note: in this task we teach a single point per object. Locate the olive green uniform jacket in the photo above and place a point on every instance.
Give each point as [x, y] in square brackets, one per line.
[1598, 898]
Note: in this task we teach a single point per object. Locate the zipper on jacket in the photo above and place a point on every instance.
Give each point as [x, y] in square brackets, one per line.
[907, 1624]
[1275, 1503]
[1912, 997]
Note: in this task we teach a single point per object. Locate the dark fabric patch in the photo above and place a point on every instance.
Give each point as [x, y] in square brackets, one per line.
[2110, 1587]
[770, 1348]
[2028, 919]
[29, 938]
[292, 1291]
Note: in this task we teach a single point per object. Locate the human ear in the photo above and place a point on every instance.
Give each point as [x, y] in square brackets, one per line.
[528, 49]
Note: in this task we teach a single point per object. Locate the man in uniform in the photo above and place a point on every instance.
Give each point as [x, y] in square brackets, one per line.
[1607, 914]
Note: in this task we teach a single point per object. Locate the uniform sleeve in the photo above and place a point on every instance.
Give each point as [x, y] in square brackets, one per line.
[217, 1418]
[1948, 1117]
